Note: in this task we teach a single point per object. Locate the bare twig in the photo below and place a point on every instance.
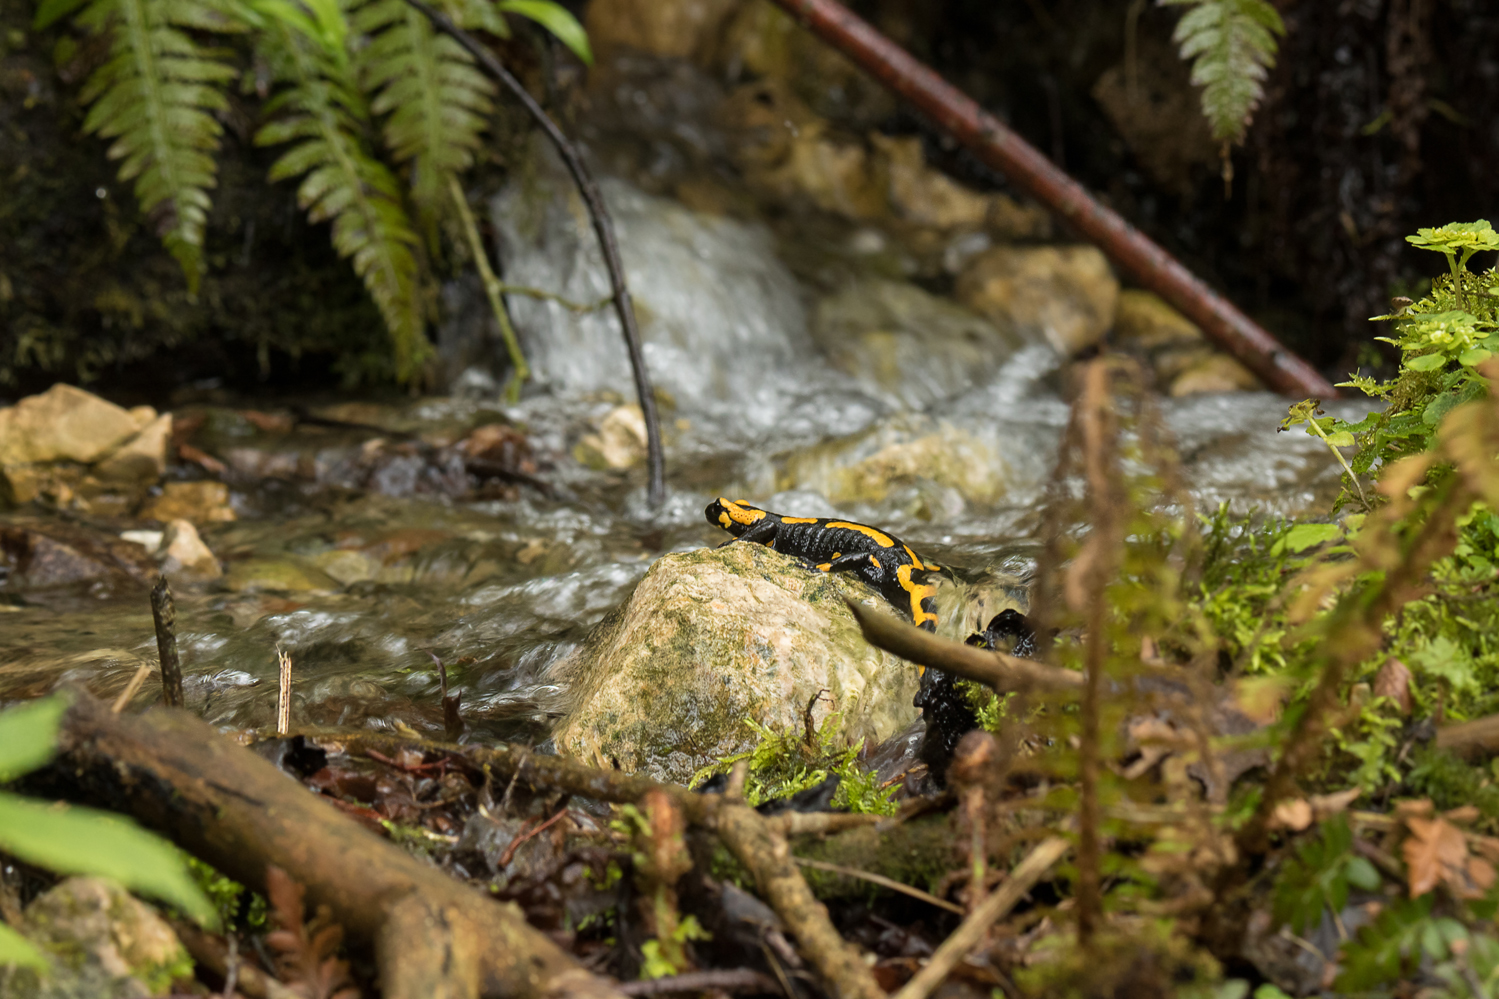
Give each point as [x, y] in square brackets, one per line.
[132, 688]
[1088, 578]
[766, 855]
[994, 143]
[283, 693]
[602, 226]
[164, 612]
[1001, 672]
[718, 980]
[879, 879]
[519, 369]
[967, 936]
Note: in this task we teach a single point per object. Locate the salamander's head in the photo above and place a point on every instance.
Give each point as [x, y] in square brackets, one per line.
[734, 516]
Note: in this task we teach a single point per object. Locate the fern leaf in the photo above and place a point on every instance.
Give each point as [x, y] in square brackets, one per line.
[435, 101]
[323, 113]
[155, 97]
[1232, 45]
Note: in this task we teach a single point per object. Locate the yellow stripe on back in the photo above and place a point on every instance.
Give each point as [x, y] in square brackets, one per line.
[798, 520]
[919, 592]
[880, 538]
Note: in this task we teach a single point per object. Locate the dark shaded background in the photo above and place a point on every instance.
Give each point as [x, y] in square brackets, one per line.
[1381, 116]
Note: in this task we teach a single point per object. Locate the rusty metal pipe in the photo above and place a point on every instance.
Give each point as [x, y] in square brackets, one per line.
[994, 143]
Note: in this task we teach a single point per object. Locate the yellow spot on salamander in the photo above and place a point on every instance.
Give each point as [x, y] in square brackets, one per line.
[825, 567]
[874, 561]
[723, 519]
[837, 554]
[919, 592]
[915, 561]
[880, 538]
[798, 520]
[740, 511]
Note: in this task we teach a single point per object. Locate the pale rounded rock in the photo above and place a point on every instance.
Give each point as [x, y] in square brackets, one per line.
[1144, 320]
[867, 466]
[102, 943]
[1214, 373]
[141, 459]
[204, 502]
[184, 557]
[277, 575]
[715, 636]
[906, 344]
[63, 423]
[1066, 293]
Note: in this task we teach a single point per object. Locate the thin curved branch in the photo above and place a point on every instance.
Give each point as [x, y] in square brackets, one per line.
[602, 226]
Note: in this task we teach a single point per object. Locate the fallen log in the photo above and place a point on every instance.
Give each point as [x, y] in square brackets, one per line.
[993, 142]
[231, 808]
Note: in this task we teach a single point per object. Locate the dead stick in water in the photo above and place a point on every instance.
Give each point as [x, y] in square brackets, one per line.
[131, 688]
[603, 227]
[164, 611]
[994, 143]
[283, 693]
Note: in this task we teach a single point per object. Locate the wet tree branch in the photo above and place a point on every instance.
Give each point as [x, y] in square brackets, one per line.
[602, 226]
[994, 143]
[995, 669]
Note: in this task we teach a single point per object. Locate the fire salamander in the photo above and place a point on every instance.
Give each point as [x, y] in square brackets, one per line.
[832, 545]
[944, 707]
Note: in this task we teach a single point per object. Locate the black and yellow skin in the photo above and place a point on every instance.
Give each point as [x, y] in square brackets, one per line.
[833, 545]
[948, 714]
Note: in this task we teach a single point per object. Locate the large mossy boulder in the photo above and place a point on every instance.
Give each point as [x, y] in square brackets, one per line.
[713, 637]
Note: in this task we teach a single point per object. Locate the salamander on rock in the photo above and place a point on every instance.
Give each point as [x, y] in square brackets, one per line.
[832, 545]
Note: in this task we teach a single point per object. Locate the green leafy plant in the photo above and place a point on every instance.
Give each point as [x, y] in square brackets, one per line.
[785, 762]
[1442, 339]
[1320, 876]
[342, 75]
[1232, 46]
[156, 97]
[73, 840]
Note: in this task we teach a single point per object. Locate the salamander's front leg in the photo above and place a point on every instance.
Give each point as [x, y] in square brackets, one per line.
[761, 532]
[856, 562]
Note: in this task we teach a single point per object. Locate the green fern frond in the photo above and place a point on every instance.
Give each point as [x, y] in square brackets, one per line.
[155, 97]
[435, 99]
[1232, 45]
[324, 114]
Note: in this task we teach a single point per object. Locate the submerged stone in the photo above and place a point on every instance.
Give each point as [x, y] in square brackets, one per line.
[1066, 293]
[716, 636]
[907, 344]
[282, 575]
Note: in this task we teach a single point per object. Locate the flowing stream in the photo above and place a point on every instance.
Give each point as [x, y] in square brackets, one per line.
[366, 583]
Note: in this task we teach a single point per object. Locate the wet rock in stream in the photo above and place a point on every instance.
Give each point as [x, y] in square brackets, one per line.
[717, 636]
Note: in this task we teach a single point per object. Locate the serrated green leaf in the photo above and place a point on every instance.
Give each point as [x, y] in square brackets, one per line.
[1232, 45]
[558, 20]
[28, 736]
[18, 952]
[75, 840]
